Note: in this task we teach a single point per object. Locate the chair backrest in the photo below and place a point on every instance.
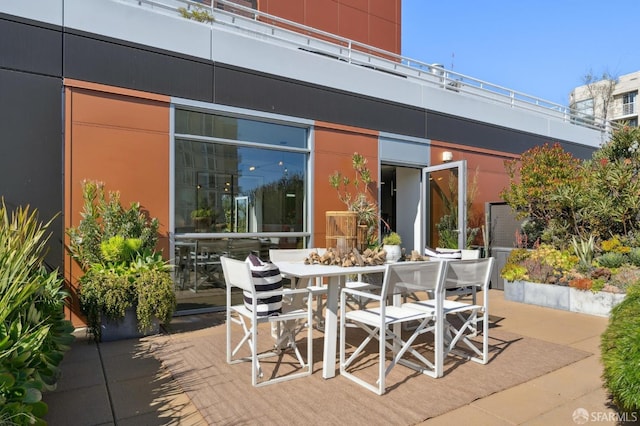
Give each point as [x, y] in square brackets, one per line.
[214, 247]
[472, 272]
[289, 255]
[237, 273]
[412, 277]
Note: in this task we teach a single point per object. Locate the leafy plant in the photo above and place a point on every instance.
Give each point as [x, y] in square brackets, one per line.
[201, 213]
[598, 285]
[546, 186]
[620, 352]
[358, 196]
[102, 218]
[559, 260]
[33, 332]
[447, 227]
[634, 256]
[513, 272]
[197, 14]
[116, 248]
[568, 197]
[392, 239]
[611, 260]
[614, 244]
[545, 264]
[539, 271]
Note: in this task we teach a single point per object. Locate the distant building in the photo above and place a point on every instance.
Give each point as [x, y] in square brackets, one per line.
[608, 101]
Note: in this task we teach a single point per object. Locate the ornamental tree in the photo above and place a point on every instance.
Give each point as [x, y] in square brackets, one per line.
[545, 186]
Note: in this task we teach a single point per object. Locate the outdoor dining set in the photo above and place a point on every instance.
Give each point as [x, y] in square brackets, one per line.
[413, 316]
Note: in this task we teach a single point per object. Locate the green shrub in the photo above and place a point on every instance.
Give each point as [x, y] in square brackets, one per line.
[513, 272]
[598, 285]
[116, 248]
[198, 14]
[33, 332]
[620, 352]
[103, 218]
[612, 260]
[634, 256]
[393, 239]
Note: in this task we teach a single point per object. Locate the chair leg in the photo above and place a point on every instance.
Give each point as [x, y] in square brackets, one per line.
[287, 339]
[317, 312]
[468, 329]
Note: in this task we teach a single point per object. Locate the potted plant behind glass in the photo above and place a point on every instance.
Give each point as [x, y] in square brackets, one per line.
[124, 279]
[391, 245]
[448, 226]
[202, 219]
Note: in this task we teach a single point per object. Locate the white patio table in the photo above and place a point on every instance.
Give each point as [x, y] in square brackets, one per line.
[335, 275]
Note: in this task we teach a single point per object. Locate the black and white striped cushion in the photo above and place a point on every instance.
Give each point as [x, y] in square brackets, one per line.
[266, 277]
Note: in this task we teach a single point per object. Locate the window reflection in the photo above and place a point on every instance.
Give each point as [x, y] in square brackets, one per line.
[241, 129]
[222, 187]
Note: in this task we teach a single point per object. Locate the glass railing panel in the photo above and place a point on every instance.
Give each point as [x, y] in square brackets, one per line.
[198, 277]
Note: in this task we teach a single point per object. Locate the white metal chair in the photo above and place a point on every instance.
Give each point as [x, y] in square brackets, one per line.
[317, 289]
[461, 319]
[461, 291]
[384, 321]
[359, 301]
[238, 274]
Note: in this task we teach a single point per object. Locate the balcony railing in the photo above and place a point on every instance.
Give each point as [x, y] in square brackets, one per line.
[629, 109]
[261, 25]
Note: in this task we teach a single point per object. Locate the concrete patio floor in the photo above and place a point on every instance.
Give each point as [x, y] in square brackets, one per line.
[106, 385]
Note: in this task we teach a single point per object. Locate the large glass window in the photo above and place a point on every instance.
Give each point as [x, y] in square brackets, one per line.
[223, 185]
[233, 176]
[240, 129]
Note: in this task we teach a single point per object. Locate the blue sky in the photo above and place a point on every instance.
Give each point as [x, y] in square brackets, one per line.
[540, 47]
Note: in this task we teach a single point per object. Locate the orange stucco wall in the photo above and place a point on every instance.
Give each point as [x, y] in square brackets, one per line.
[121, 138]
[372, 22]
[491, 176]
[334, 147]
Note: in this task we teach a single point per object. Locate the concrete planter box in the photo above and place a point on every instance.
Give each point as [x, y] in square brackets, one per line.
[514, 291]
[561, 297]
[588, 302]
[547, 295]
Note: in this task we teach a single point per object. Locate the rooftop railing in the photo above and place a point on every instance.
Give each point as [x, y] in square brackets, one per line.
[254, 23]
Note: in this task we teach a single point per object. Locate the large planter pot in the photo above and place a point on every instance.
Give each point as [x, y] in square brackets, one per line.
[125, 328]
[561, 297]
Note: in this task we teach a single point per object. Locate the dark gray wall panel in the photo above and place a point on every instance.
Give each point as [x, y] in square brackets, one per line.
[31, 148]
[243, 88]
[462, 131]
[30, 48]
[113, 63]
